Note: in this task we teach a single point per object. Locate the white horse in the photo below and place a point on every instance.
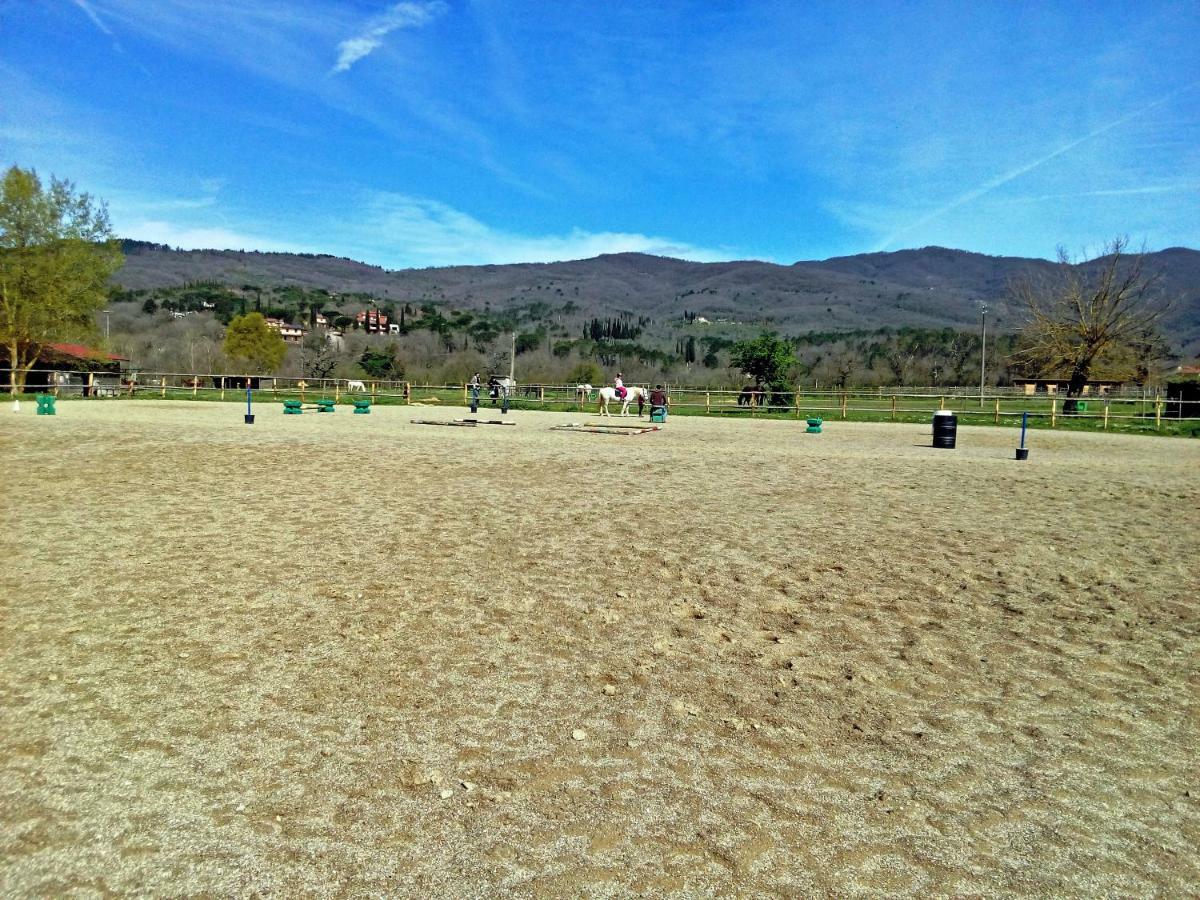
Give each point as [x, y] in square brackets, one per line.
[609, 395]
[355, 386]
[583, 392]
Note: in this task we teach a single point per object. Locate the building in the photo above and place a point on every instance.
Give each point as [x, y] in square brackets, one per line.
[1098, 386]
[292, 334]
[66, 366]
[372, 321]
[1183, 393]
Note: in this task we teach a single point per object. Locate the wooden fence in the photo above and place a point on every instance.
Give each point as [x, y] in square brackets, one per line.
[1002, 406]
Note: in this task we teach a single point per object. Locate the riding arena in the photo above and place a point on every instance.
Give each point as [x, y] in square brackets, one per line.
[250, 654]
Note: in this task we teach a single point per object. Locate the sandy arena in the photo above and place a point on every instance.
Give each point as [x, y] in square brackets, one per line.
[352, 656]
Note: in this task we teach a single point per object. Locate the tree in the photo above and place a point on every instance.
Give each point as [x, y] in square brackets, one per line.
[56, 255]
[768, 359]
[249, 341]
[529, 340]
[1090, 312]
[585, 372]
[384, 363]
[320, 359]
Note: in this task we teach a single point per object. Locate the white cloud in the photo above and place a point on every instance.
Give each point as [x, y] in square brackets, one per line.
[402, 15]
[400, 230]
[396, 231]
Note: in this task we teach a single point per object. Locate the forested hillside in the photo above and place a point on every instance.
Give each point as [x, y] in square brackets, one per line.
[904, 317]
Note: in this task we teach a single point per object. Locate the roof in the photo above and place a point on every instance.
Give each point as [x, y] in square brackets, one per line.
[89, 353]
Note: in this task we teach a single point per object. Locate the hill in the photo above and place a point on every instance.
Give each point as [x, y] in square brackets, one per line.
[929, 288]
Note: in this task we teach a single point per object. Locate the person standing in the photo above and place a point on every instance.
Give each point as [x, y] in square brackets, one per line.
[473, 385]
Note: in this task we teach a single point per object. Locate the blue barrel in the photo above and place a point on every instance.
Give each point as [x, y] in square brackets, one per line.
[945, 429]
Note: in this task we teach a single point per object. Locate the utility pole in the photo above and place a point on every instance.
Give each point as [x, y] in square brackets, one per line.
[512, 360]
[106, 324]
[982, 351]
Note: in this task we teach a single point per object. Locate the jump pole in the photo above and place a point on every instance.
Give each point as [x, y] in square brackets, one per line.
[249, 414]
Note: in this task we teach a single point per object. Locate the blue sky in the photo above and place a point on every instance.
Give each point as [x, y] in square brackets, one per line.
[440, 132]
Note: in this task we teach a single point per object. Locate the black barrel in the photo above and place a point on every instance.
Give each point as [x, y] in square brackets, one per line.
[945, 429]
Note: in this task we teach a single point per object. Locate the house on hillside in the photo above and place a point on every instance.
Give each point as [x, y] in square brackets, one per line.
[66, 365]
[372, 321]
[292, 334]
[1096, 386]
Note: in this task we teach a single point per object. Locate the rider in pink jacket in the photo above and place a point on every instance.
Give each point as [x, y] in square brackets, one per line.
[620, 386]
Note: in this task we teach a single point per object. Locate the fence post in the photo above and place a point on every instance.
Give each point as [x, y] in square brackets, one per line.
[707, 402]
[843, 404]
[996, 418]
[408, 392]
[1158, 405]
[372, 393]
[91, 391]
[163, 382]
[1106, 417]
[893, 407]
[941, 402]
[222, 387]
[195, 385]
[1053, 410]
[797, 401]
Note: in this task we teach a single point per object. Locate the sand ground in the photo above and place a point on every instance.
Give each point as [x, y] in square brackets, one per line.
[350, 656]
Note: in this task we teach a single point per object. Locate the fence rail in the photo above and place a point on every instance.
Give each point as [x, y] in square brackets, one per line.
[1147, 409]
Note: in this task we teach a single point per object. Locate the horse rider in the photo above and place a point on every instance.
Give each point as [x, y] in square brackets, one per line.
[620, 387]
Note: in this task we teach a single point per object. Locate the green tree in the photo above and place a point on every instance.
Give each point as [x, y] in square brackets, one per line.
[530, 340]
[150, 307]
[768, 359]
[249, 341]
[586, 372]
[382, 363]
[56, 255]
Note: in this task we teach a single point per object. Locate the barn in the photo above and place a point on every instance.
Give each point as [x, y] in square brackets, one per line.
[66, 366]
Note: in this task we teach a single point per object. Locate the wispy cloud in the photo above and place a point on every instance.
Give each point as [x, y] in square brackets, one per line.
[989, 186]
[1146, 190]
[401, 15]
[414, 231]
[91, 14]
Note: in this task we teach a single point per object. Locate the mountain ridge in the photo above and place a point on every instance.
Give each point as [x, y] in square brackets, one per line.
[926, 287]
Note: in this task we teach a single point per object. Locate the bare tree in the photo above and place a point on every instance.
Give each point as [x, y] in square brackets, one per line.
[1088, 312]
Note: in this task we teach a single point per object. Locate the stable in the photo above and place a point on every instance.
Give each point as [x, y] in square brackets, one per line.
[1183, 393]
[1097, 386]
[68, 367]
